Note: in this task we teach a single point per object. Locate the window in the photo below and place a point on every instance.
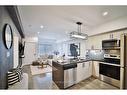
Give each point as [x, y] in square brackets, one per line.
[74, 49]
[45, 49]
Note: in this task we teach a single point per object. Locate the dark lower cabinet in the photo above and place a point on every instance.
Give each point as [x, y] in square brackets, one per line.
[58, 75]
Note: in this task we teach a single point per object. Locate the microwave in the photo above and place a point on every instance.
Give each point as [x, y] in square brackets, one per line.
[112, 43]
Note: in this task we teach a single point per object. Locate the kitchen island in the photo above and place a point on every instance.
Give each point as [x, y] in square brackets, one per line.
[65, 73]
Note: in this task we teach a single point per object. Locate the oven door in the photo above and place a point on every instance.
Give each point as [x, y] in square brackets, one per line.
[110, 71]
[110, 74]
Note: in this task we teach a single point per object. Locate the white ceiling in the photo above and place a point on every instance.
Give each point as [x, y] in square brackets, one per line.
[58, 21]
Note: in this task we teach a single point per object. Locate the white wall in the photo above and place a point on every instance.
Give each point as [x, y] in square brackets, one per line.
[30, 50]
[109, 26]
[15, 51]
[30, 53]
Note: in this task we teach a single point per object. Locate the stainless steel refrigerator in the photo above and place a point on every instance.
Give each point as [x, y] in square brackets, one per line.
[123, 62]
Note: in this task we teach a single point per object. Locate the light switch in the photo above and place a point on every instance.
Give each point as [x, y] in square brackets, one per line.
[8, 54]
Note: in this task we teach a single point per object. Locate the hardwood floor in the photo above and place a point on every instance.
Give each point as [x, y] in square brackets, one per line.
[93, 83]
[44, 81]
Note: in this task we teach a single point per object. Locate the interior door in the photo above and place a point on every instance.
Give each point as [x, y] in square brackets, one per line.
[30, 52]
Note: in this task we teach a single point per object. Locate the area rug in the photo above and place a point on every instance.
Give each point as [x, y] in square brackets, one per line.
[35, 70]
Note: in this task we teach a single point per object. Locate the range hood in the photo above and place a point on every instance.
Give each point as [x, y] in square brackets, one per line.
[78, 34]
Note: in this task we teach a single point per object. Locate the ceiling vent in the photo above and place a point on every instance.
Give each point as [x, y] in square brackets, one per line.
[77, 34]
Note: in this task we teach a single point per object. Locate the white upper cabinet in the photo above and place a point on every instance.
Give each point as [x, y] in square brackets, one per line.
[115, 35]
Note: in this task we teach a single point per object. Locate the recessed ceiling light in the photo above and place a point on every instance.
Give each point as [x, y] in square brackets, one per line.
[38, 32]
[41, 26]
[105, 13]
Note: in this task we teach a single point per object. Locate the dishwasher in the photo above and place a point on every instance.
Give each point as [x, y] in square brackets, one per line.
[70, 75]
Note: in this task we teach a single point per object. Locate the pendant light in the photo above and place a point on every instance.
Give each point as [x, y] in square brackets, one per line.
[77, 34]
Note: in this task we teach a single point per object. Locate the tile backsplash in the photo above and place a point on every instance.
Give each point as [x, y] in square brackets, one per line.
[95, 54]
